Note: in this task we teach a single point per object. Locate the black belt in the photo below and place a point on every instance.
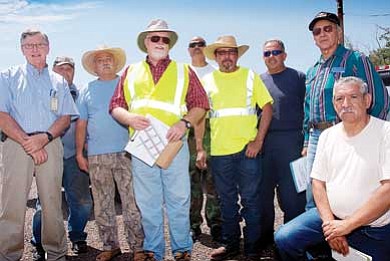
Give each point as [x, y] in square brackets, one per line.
[321, 125]
[4, 136]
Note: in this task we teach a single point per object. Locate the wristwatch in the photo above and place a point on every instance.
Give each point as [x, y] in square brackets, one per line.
[188, 123]
[49, 136]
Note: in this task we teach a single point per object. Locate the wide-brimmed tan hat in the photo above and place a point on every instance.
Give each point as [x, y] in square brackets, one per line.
[157, 25]
[225, 41]
[88, 60]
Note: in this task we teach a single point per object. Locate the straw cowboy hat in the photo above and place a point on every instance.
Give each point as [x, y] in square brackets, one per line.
[157, 25]
[88, 59]
[226, 41]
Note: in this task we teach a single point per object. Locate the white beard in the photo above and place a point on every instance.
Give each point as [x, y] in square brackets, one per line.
[158, 54]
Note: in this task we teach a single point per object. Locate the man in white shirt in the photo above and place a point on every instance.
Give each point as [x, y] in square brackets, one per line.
[351, 183]
[200, 171]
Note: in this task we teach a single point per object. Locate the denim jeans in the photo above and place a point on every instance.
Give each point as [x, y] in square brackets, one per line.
[311, 153]
[295, 237]
[156, 188]
[79, 201]
[236, 175]
[280, 148]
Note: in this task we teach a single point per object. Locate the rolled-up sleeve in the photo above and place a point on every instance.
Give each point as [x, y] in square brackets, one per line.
[118, 98]
[4, 92]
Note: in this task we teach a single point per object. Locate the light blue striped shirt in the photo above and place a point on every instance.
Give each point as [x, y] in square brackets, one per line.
[26, 94]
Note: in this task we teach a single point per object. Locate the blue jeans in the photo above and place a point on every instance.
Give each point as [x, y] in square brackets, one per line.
[235, 175]
[279, 149]
[295, 237]
[311, 153]
[155, 188]
[78, 198]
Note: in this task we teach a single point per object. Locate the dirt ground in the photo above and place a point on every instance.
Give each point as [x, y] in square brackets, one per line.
[201, 249]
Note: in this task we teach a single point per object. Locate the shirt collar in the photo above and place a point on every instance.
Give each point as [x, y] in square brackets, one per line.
[339, 52]
[31, 69]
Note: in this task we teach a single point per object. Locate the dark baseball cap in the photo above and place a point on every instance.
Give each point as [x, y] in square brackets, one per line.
[60, 60]
[324, 16]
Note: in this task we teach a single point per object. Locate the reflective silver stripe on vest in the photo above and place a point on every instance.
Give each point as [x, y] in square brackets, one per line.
[175, 107]
[249, 110]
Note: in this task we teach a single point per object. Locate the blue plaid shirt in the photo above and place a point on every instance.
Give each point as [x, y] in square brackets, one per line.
[321, 78]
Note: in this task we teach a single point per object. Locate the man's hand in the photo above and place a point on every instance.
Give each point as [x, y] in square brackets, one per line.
[139, 122]
[304, 152]
[82, 162]
[177, 131]
[35, 143]
[253, 148]
[201, 157]
[39, 157]
[340, 245]
[335, 228]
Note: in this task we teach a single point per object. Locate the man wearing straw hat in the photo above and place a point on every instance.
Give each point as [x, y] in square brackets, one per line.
[236, 141]
[172, 93]
[107, 162]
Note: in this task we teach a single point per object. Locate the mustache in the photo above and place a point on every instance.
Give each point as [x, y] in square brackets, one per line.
[346, 110]
[227, 60]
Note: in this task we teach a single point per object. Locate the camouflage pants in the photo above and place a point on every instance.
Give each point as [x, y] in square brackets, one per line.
[202, 181]
[105, 170]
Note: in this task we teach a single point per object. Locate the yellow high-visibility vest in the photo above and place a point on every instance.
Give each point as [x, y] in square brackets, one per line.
[233, 118]
[164, 100]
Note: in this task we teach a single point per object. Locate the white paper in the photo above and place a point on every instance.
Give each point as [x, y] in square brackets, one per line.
[353, 255]
[148, 144]
[300, 173]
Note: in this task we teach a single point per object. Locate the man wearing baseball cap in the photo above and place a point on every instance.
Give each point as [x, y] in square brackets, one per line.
[335, 62]
[172, 93]
[74, 181]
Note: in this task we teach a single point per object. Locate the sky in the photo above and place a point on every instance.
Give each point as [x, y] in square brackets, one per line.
[76, 26]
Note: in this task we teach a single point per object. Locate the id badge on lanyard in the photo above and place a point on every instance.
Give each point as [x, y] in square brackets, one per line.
[53, 100]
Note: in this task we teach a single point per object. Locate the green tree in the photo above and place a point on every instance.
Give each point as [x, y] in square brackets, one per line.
[381, 55]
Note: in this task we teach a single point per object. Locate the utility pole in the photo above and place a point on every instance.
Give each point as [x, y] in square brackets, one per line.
[340, 14]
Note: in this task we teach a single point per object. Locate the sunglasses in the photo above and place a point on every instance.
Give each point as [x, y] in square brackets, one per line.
[273, 52]
[156, 39]
[327, 29]
[197, 44]
[226, 52]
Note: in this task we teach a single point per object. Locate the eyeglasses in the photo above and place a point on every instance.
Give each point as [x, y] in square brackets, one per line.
[273, 52]
[226, 52]
[197, 44]
[31, 46]
[156, 39]
[327, 29]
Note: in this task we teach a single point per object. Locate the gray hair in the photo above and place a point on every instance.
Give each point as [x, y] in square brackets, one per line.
[31, 32]
[363, 88]
[279, 42]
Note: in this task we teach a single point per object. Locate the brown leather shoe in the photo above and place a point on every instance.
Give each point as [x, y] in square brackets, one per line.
[185, 256]
[108, 254]
[143, 256]
[223, 253]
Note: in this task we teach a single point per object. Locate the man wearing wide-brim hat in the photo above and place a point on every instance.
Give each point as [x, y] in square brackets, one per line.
[236, 141]
[107, 162]
[172, 93]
